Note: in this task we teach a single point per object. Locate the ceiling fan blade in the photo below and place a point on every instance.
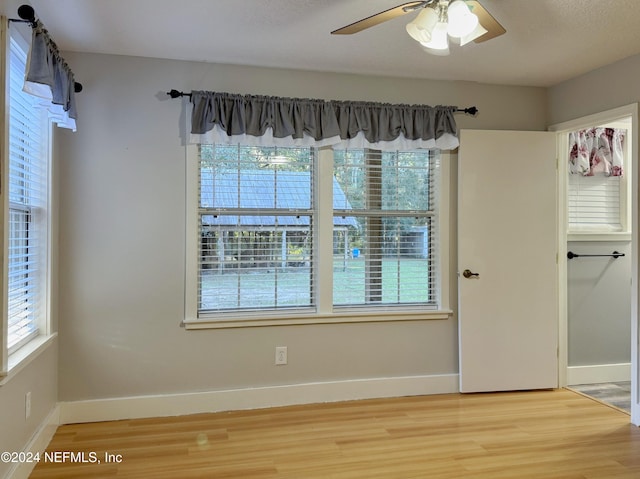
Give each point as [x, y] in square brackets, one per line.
[379, 18]
[494, 29]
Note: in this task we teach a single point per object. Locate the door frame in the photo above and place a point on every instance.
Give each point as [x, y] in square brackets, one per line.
[562, 129]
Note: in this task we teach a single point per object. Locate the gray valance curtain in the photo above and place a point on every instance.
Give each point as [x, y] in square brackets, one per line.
[49, 77]
[265, 120]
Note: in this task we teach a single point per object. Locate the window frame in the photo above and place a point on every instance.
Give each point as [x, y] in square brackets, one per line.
[14, 358]
[325, 312]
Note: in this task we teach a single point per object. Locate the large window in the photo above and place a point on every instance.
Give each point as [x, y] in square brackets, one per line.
[27, 215]
[297, 232]
[386, 254]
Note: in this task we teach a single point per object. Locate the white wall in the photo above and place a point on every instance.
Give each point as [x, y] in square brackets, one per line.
[122, 238]
[600, 90]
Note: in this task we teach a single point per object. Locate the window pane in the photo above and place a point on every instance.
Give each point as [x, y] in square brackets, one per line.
[23, 278]
[27, 191]
[350, 173]
[387, 255]
[407, 179]
[255, 177]
[404, 180]
[256, 228]
[253, 269]
[391, 266]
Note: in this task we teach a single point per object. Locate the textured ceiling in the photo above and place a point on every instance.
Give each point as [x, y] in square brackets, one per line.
[547, 41]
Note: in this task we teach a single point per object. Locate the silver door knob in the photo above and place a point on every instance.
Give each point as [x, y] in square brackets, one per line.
[469, 274]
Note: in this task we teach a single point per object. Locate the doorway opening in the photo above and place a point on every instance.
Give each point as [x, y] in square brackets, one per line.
[598, 261]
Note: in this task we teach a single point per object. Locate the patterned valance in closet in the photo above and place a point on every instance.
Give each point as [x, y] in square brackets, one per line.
[597, 151]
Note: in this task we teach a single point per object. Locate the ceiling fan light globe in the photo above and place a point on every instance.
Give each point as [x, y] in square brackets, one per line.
[421, 27]
[463, 27]
[457, 9]
[418, 34]
[461, 21]
[439, 40]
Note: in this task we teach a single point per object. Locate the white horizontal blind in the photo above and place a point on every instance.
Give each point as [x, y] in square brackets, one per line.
[255, 228]
[28, 174]
[594, 203]
[385, 245]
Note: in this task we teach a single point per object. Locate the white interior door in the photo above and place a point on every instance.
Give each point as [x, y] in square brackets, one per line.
[507, 240]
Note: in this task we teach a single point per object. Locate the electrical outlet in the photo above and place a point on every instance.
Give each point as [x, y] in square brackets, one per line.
[27, 405]
[281, 355]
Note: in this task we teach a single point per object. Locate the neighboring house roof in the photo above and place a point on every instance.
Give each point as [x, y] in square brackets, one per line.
[220, 191]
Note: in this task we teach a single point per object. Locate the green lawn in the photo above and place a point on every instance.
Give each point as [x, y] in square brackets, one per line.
[403, 281]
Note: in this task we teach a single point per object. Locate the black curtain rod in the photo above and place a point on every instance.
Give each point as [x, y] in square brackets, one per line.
[613, 255]
[177, 94]
[28, 15]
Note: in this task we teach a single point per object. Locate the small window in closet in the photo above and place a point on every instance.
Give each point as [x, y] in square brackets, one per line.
[597, 193]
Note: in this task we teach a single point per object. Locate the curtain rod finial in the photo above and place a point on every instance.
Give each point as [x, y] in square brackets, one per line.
[175, 93]
[26, 12]
[472, 110]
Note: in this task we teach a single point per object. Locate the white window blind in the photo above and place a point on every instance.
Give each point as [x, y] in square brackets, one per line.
[385, 246]
[255, 228]
[27, 189]
[261, 229]
[594, 203]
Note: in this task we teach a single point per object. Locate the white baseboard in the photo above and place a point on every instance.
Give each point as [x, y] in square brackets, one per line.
[599, 373]
[253, 398]
[38, 444]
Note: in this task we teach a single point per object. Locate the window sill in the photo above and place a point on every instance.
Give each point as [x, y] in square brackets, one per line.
[592, 236]
[341, 317]
[23, 356]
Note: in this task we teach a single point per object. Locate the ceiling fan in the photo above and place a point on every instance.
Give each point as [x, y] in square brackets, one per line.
[463, 20]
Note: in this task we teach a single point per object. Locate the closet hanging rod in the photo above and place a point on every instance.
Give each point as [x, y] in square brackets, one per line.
[28, 15]
[613, 255]
[472, 110]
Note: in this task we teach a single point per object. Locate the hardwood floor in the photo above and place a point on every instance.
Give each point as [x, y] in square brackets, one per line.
[540, 434]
